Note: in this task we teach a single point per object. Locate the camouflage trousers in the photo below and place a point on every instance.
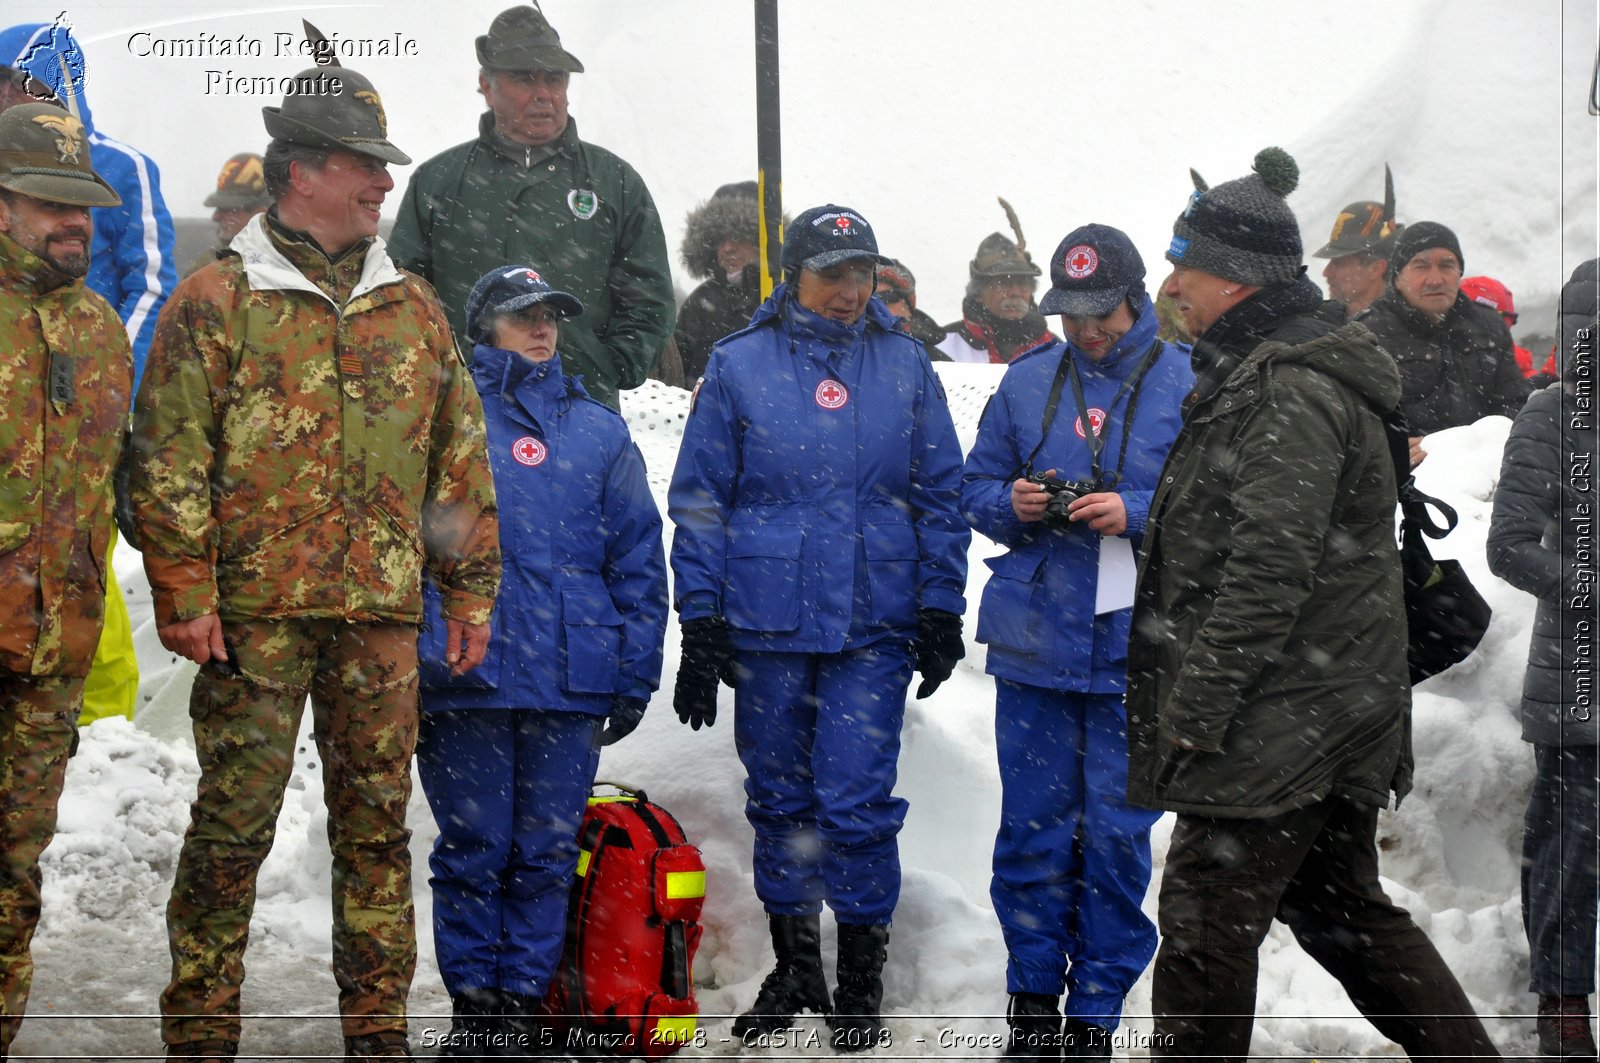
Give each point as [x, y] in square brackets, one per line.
[362, 681]
[38, 715]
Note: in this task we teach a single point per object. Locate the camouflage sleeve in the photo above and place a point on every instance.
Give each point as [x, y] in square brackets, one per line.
[460, 525]
[174, 423]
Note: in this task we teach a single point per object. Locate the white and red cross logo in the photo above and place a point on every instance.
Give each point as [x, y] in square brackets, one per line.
[1081, 262]
[831, 394]
[1097, 419]
[529, 451]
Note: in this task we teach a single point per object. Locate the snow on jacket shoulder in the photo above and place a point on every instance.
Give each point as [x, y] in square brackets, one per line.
[1269, 626]
[1038, 612]
[582, 610]
[1542, 516]
[816, 491]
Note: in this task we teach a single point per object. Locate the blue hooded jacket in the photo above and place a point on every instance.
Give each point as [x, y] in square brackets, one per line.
[1037, 614]
[582, 610]
[131, 261]
[816, 489]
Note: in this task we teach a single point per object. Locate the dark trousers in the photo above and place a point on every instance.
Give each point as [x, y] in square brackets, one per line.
[1560, 865]
[1316, 869]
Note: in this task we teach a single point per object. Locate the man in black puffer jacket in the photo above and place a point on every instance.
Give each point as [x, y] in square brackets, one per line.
[1542, 539]
[1455, 356]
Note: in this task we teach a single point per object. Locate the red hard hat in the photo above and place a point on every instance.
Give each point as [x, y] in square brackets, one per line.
[1489, 292]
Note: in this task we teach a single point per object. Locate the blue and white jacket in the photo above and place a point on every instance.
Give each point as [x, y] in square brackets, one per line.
[816, 490]
[131, 258]
[1037, 614]
[582, 610]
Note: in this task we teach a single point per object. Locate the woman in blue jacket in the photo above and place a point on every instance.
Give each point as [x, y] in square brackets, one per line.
[1095, 416]
[819, 556]
[507, 752]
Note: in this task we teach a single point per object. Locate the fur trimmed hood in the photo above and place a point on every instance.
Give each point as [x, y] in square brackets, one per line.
[733, 212]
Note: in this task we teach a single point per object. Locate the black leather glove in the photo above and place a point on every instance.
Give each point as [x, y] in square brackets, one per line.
[937, 647]
[623, 718]
[707, 658]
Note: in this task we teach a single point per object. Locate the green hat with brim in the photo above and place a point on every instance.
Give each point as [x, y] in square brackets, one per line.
[241, 184]
[521, 38]
[44, 153]
[350, 119]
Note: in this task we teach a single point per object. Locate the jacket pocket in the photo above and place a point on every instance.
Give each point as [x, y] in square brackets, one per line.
[763, 574]
[19, 595]
[1010, 615]
[432, 640]
[892, 558]
[592, 629]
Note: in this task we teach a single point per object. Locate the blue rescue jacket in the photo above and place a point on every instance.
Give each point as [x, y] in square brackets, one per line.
[582, 610]
[130, 256]
[816, 492]
[1037, 614]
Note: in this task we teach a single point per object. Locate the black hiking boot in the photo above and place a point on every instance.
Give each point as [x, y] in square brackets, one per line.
[857, 1025]
[795, 984]
[1564, 1028]
[1085, 1040]
[1033, 1021]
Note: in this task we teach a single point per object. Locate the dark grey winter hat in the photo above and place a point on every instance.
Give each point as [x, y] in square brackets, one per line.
[349, 120]
[1242, 230]
[521, 38]
[1423, 236]
[507, 289]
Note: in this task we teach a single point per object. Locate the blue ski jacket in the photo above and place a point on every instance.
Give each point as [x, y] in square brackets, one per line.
[1038, 609]
[582, 610]
[816, 492]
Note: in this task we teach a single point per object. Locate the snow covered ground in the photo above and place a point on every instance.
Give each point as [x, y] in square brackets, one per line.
[918, 115]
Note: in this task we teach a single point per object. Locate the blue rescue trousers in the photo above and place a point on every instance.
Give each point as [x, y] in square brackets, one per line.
[507, 788]
[819, 736]
[1072, 858]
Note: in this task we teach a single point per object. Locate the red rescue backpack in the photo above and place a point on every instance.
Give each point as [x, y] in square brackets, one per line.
[626, 984]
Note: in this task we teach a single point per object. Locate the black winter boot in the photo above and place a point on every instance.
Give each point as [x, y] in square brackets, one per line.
[795, 984]
[472, 1019]
[525, 1031]
[1034, 1022]
[1564, 1028]
[1085, 1040]
[857, 1026]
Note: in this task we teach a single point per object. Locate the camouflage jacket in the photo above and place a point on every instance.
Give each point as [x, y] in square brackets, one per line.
[66, 373]
[307, 438]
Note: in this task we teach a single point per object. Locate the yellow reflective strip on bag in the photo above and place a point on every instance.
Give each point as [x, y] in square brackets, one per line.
[682, 884]
[584, 856]
[675, 1029]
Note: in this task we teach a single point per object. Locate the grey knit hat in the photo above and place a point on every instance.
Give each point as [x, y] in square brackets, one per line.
[1242, 230]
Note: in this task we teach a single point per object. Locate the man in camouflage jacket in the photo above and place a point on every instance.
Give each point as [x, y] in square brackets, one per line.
[66, 372]
[308, 442]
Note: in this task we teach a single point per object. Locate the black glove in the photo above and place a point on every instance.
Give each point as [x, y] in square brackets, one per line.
[707, 658]
[937, 647]
[624, 716]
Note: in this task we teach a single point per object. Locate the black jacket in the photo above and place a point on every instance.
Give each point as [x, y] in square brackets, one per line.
[712, 311]
[1541, 539]
[1452, 372]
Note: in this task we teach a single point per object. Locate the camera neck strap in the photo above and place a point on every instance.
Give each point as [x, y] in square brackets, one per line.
[1094, 439]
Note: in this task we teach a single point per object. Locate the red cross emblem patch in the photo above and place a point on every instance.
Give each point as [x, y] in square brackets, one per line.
[831, 395]
[1081, 262]
[529, 451]
[1097, 418]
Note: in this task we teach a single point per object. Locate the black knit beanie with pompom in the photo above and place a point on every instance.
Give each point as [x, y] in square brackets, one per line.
[1242, 230]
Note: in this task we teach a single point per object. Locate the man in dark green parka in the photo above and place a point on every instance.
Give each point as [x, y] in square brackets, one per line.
[529, 190]
[1268, 697]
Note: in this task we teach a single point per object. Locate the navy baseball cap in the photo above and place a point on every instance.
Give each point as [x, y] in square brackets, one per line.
[827, 235]
[1093, 269]
[507, 289]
